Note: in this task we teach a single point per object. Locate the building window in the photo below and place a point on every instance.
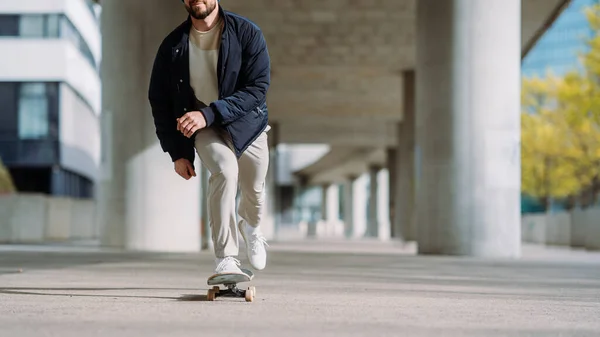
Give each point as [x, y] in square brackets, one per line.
[45, 26]
[39, 26]
[69, 32]
[33, 111]
[9, 25]
[52, 25]
[69, 184]
[31, 26]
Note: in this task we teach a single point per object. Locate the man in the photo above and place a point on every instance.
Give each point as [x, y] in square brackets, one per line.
[208, 92]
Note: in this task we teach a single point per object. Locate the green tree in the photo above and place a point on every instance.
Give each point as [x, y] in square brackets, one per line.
[578, 114]
[546, 172]
[577, 110]
[561, 129]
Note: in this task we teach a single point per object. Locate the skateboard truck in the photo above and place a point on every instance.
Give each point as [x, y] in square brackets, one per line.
[230, 281]
[231, 291]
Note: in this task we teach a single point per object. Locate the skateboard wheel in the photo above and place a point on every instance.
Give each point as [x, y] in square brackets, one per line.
[216, 289]
[250, 294]
[210, 296]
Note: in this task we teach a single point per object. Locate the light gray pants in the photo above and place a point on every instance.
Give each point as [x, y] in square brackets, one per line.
[215, 151]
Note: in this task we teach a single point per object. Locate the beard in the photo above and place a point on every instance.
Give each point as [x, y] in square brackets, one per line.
[198, 14]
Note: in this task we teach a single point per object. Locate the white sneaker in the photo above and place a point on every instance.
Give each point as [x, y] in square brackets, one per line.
[228, 265]
[255, 245]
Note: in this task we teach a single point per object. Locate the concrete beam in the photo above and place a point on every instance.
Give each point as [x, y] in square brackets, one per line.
[340, 131]
[342, 162]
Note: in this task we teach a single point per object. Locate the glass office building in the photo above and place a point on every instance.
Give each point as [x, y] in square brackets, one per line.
[559, 48]
[50, 95]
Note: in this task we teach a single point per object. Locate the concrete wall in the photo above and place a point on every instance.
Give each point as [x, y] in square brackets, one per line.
[533, 229]
[579, 229]
[579, 221]
[36, 218]
[558, 230]
[22, 218]
[592, 230]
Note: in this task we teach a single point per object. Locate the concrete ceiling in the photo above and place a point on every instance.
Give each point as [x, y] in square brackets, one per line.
[337, 65]
[337, 70]
[342, 162]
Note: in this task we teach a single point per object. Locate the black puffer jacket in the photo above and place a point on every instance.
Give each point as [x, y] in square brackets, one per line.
[243, 74]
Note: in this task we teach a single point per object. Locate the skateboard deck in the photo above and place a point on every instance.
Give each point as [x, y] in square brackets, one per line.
[230, 281]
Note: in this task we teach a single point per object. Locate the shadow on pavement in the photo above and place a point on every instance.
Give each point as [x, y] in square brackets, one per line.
[193, 298]
[53, 292]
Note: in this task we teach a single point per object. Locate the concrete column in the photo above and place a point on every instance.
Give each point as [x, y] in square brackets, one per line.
[404, 208]
[379, 215]
[355, 199]
[298, 189]
[373, 223]
[331, 203]
[269, 226]
[143, 204]
[330, 209]
[348, 207]
[392, 158]
[468, 127]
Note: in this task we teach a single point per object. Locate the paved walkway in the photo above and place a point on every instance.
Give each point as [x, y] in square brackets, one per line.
[310, 289]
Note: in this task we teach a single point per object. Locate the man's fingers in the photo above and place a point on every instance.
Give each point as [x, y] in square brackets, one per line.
[185, 170]
[191, 131]
[188, 133]
[186, 175]
[182, 122]
[189, 127]
[183, 173]
[191, 169]
[186, 126]
[184, 118]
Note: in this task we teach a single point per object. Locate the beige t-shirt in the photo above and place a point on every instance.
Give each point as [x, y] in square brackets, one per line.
[204, 55]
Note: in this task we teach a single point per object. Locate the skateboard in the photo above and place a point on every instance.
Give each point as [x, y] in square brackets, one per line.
[230, 281]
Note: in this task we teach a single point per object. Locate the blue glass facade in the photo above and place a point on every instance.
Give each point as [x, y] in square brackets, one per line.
[559, 48]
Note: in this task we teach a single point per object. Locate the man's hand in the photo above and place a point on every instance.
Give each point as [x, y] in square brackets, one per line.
[184, 168]
[191, 122]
